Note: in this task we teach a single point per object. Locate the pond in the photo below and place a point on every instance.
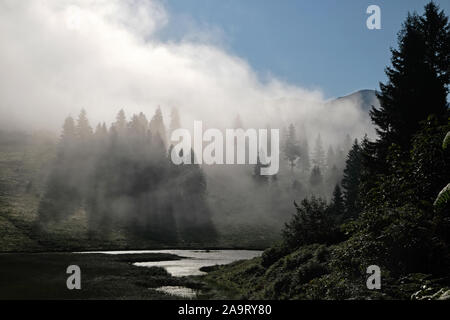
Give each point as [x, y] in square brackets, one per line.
[192, 260]
[189, 265]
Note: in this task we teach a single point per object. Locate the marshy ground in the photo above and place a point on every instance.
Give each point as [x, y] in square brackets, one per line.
[43, 276]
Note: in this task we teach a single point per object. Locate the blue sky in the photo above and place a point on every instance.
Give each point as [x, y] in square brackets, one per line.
[314, 44]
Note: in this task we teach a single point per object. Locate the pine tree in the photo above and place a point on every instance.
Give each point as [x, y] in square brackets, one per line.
[291, 147]
[121, 123]
[157, 127]
[61, 196]
[337, 206]
[83, 129]
[417, 83]
[351, 180]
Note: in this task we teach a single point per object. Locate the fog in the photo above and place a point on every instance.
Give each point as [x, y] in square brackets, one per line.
[58, 57]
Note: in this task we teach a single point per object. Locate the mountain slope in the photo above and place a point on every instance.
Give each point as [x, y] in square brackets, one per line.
[364, 98]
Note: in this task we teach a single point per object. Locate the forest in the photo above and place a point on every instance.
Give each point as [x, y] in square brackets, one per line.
[392, 207]
[122, 177]
[341, 201]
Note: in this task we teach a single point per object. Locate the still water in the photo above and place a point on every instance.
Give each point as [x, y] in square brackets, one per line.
[190, 264]
[192, 260]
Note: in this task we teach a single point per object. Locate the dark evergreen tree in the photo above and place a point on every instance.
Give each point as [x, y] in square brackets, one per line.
[62, 195]
[311, 224]
[351, 180]
[417, 83]
[337, 207]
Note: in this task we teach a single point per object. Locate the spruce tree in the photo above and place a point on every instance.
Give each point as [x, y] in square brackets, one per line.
[121, 122]
[291, 147]
[417, 83]
[351, 180]
[337, 207]
[83, 129]
[157, 127]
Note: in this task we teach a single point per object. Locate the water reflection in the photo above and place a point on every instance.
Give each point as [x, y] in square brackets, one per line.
[192, 260]
[178, 291]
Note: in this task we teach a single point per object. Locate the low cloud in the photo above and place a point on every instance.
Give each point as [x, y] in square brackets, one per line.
[57, 57]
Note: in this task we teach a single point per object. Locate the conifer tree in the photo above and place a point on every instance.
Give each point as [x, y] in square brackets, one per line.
[351, 180]
[83, 129]
[417, 83]
[121, 123]
[157, 127]
[337, 206]
[291, 147]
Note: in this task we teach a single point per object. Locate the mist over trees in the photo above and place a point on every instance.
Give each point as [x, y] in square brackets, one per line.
[122, 177]
[385, 213]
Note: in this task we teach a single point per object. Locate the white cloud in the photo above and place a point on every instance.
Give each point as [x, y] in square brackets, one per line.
[57, 57]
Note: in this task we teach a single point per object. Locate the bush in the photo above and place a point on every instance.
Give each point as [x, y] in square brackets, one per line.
[273, 254]
[311, 224]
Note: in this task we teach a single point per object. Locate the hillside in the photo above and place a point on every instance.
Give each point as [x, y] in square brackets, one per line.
[365, 99]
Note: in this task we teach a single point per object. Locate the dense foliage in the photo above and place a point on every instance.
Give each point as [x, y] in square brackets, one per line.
[389, 185]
